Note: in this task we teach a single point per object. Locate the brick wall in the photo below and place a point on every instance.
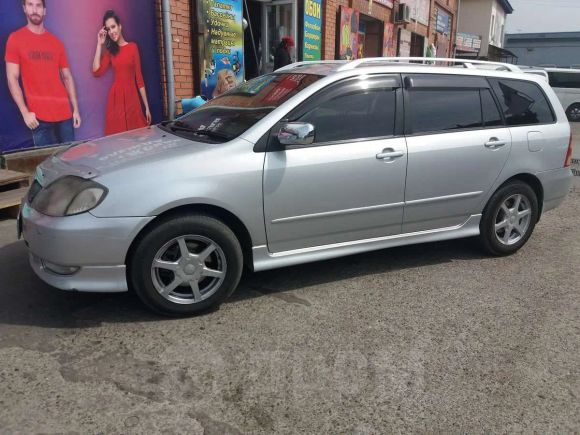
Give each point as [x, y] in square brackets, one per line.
[384, 14]
[182, 50]
[331, 8]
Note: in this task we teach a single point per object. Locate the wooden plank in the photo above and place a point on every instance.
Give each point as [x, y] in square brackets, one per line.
[12, 198]
[11, 177]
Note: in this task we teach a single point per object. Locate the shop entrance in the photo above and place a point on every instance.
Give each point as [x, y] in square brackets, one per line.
[417, 45]
[268, 22]
[370, 37]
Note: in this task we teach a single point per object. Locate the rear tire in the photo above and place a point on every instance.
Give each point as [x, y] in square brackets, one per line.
[186, 265]
[573, 112]
[509, 219]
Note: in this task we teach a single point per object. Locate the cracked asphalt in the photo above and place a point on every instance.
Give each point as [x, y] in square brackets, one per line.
[428, 338]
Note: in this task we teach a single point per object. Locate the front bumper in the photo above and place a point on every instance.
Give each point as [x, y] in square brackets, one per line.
[97, 246]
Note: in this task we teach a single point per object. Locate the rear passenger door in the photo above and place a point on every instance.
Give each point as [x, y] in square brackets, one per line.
[457, 145]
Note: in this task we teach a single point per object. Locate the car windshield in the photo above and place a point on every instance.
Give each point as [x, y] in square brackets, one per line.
[229, 115]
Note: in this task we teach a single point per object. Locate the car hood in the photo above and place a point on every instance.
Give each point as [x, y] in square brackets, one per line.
[90, 159]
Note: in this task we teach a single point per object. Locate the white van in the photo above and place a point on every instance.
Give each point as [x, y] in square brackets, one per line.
[566, 84]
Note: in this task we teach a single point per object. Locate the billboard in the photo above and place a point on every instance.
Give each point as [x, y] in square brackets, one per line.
[312, 30]
[122, 94]
[348, 35]
[221, 47]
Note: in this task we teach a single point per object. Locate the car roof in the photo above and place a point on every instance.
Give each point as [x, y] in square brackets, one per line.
[409, 65]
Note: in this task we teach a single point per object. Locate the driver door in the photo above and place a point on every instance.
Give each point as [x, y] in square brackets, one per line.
[349, 184]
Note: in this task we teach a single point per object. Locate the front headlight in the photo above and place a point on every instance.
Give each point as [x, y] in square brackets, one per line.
[68, 196]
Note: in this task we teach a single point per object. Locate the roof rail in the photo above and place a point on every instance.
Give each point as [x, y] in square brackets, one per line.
[310, 63]
[467, 63]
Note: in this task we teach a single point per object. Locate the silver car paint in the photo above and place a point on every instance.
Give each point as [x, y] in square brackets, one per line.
[149, 172]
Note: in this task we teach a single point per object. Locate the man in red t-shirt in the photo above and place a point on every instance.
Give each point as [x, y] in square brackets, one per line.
[39, 58]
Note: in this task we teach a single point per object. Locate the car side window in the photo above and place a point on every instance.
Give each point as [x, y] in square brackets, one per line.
[491, 113]
[361, 114]
[444, 109]
[564, 80]
[523, 103]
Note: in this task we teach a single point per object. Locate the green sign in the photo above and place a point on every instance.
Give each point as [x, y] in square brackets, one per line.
[312, 30]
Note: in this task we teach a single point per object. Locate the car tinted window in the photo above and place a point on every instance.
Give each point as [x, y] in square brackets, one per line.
[444, 109]
[229, 115]
[361, 114]
[523, 103]
[491, 113]
[564, 80]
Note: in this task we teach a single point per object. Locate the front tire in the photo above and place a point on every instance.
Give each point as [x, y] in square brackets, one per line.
[509, 219]
[186, 265]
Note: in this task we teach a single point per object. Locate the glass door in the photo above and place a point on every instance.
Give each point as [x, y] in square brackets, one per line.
[279, 19]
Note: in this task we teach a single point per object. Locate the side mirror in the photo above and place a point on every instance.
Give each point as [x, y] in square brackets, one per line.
[296, 133]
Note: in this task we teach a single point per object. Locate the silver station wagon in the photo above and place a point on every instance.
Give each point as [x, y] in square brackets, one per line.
[311, 162]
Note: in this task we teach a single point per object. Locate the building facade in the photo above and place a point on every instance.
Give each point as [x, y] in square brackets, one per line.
[484, 21]
[347, 29]
[561, 49]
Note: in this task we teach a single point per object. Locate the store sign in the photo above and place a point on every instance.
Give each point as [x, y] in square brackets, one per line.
[349, 23]
[468, 42]
[404, 43]
[443, 22]
[312, 30]
[222, 49]
[104, 99]
[389, 48]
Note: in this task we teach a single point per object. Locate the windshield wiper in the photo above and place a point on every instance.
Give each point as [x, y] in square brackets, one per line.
[213, 134]
[182, 126]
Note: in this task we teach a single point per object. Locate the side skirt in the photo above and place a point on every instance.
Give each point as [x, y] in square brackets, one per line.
[264, 260]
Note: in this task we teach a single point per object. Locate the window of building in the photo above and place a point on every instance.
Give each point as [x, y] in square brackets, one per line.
[523, 103]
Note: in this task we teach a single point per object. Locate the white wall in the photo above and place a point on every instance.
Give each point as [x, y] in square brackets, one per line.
[475, 18]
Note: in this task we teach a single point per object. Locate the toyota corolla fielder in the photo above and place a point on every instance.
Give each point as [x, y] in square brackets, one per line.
[311, 162]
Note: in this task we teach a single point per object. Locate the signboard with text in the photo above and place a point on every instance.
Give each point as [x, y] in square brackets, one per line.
[222, 49]
[312, 30]
[443, 22]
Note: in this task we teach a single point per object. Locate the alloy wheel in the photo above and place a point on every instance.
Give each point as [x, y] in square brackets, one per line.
[513, 219]
[188, 269]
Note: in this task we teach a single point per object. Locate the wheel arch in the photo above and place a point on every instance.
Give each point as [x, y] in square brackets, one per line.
[227, 217]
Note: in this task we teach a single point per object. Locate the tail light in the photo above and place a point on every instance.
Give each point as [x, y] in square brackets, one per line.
[568, 161]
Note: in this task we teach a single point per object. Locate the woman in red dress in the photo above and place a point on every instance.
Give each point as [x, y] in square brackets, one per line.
[124, 110]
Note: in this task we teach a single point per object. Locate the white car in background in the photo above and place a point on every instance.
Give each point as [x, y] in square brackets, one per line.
[566, 84]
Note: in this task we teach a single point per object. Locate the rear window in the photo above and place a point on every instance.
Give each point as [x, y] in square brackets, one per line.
[564, 79]
[229, 115]
[523, 103]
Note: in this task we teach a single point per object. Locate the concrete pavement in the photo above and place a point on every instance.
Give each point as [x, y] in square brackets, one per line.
[429, 338]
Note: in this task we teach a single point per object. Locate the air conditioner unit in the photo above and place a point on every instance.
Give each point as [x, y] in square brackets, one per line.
[403, 14]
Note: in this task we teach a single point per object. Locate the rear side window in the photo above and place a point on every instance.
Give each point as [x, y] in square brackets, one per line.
[564, 79]
[444, 109]
[491, 113]
[522, 103]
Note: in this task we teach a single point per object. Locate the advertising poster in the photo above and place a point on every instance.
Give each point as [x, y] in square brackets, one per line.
[349, 19]
[222, 49]
[108, 102]
[389, 48]
[312, 30]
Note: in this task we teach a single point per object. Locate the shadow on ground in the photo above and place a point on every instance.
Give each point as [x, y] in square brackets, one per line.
[26, 300]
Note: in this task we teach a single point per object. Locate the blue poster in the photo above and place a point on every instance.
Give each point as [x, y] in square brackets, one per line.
[312, 30]
[222, 50]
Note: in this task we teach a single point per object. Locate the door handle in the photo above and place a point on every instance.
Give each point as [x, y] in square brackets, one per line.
[389, 154]
[495, 143]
